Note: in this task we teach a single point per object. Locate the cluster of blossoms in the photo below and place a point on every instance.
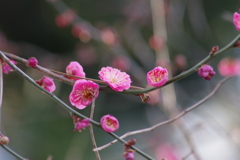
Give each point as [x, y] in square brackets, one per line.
[85, 91]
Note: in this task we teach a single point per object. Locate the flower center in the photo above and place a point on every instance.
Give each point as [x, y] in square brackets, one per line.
[111, 123]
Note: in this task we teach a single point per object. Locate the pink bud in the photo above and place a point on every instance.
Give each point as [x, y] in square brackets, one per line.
[206, 72]
[4, 140]
[214, 49]
[129, 156]
[157, 77]
[75, 69]
[236, 20]
[47, 83]
[32, 62]
[109, 123]
[80, 123]
[6, 68]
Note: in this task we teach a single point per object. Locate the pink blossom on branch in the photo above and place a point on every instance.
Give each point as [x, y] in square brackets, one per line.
[109, 123]
[157, 77]
[116, 79]
[75, 69]
[80, 123]
[206, 72]
[83, 93]
[47, 83]
[32, 62]
[6, 68]
[236, 20]
[129, 155]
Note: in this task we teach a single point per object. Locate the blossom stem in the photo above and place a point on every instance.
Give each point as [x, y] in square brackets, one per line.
[13, 152]
[91, 131]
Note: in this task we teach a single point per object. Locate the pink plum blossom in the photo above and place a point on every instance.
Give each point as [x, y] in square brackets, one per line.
[236, 20]
[157, 77]
[47, 83]
[228, 66]
[6, 68]
[80, 123]
[32, 62]
[116, 79]
[129, 156]
[109, 123]
[206, 72]
[83, 93]
[75, 69]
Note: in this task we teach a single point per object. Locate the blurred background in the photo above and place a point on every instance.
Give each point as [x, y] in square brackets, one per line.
[120, 34]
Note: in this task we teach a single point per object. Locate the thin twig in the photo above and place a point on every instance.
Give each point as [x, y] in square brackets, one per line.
[170, 120]
[91, 131]
[64, 105]
[13, 153]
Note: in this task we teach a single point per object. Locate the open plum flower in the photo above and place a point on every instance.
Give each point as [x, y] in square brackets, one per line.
[109, 123]
[75, 69]
[47, 83]
[116, 79]
[157, 77]
[83, 93]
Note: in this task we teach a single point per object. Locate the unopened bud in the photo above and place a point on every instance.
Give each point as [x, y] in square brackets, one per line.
[131, 142]
[214, 50]
[4, 140]
[32, 62]
[145, 97]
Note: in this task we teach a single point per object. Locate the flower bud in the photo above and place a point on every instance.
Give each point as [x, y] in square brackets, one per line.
[47, 83]
[214, 50]
[32, 62]
[4, 140]
[206, 72]
[129, 155]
